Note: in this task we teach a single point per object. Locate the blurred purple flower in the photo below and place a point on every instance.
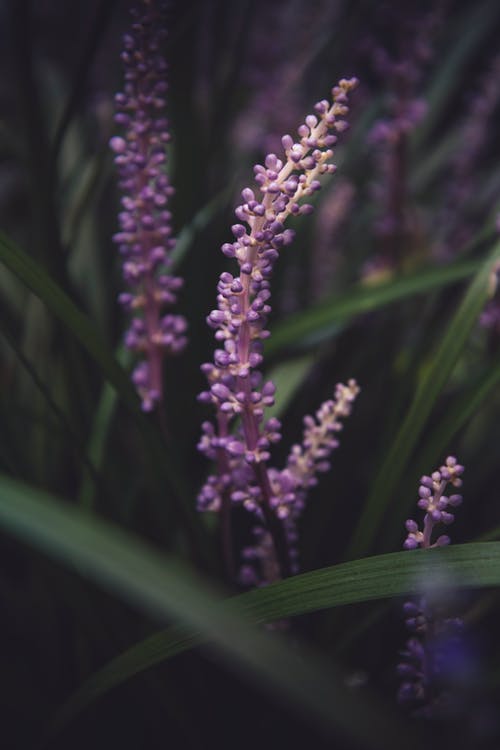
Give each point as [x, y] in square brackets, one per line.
[434, 657]
[402, 73]
[291, 485]
[144, 239]
[474, 136]
[273, 69]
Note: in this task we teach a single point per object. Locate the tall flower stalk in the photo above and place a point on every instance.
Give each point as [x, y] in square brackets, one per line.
[144, 239]
[235, 383]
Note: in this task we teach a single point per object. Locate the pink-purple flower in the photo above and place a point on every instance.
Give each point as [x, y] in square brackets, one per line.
[241, 441]
[432, 655]
[144, 240]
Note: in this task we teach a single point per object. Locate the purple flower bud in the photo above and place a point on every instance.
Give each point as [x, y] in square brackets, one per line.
[410, 543]
[442, 541]
[235, 448]
[238, 230]
[118, 145]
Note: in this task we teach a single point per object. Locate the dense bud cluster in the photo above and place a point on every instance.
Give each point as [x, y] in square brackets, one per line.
[144, 239]
[236, 387]
[435, 503]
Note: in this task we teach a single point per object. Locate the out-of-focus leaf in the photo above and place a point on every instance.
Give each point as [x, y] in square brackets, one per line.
[98, 30]
[81, 327]
[91, 474]
[58, 302]
[287, 378]
[200, 220]
[167, 590]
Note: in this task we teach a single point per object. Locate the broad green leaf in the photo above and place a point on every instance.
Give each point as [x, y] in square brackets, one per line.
[198, 223]
[167, 590]
[428, 391]
[361, 299]
[93, 41]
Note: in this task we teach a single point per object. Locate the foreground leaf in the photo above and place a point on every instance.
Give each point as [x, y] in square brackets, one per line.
[81, 327]
[167, 590]
[380, 577]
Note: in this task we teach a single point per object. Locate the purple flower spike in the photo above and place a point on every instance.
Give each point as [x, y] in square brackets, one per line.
[426, 668]
[434, 502]
[235, 388]
[144, 240]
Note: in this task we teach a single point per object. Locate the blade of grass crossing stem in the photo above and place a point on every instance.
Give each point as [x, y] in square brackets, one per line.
[362, 299]
[428, 391]
[167, 590]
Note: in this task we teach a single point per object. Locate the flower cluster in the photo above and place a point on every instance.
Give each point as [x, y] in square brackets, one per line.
[435, 504]
[235, 382]
[457, 221]
[144, 239]
[290, 486]
[402, 73]
[433, 652]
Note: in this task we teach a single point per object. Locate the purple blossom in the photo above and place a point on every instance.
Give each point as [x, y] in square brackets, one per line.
[431, 656]
[291, 485]
[236, 387]
[436, 505]
[144, 240]
[481, 104]
[402, 73]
